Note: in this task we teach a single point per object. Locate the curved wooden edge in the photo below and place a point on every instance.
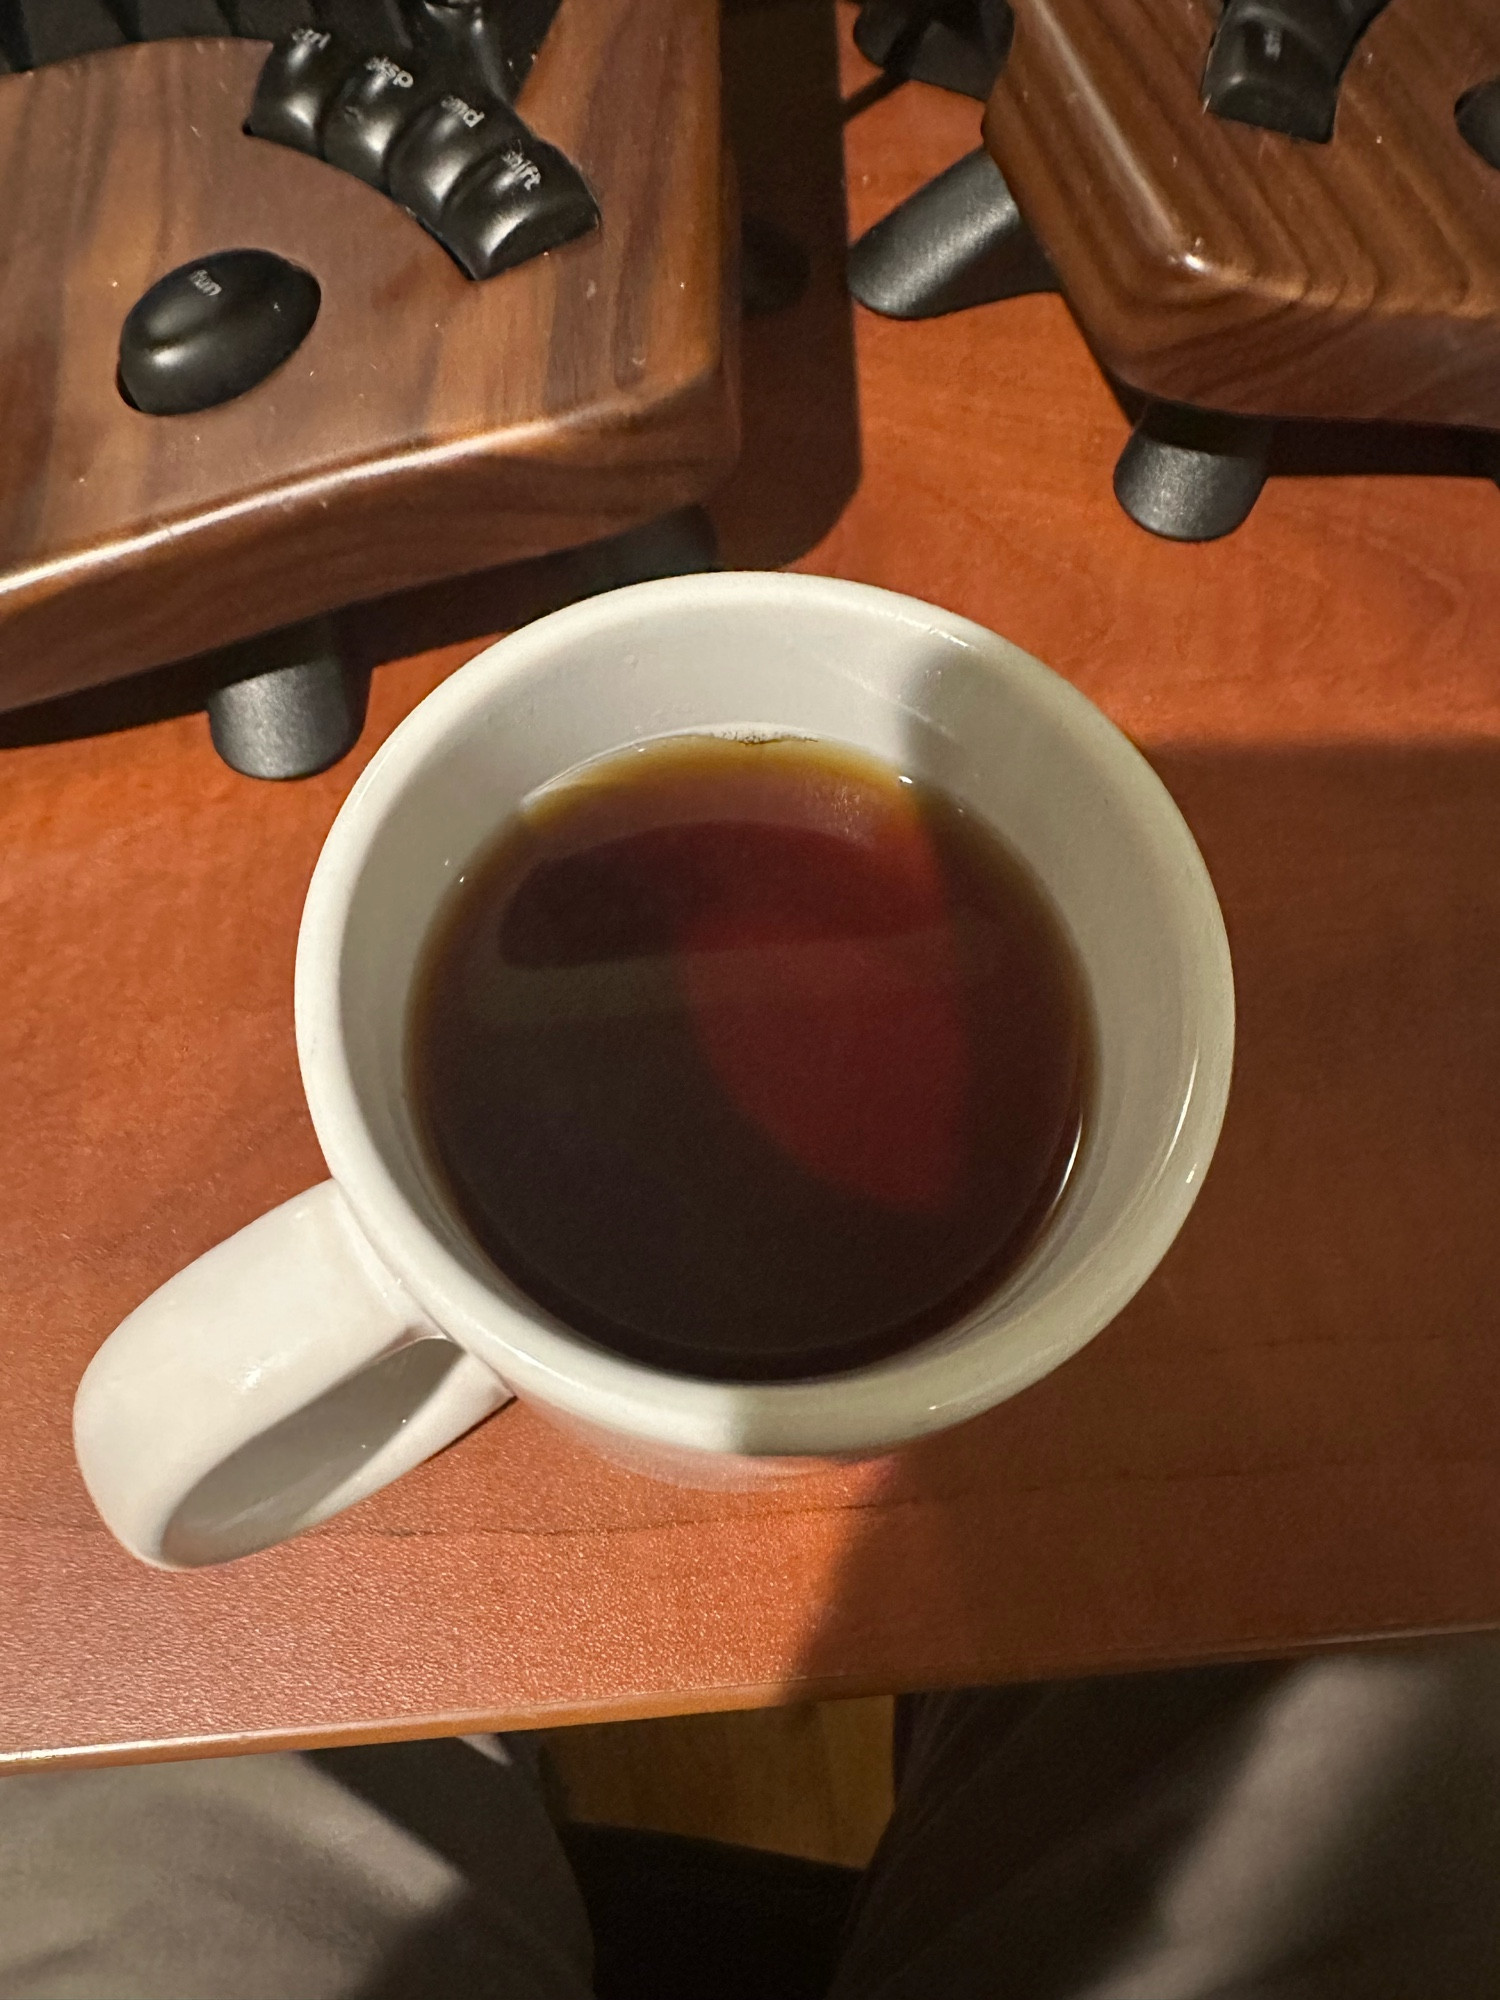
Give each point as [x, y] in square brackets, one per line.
[427, 427]
[1213, 264]
[187, 587]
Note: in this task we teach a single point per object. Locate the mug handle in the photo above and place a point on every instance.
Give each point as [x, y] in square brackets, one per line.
[280, 1377]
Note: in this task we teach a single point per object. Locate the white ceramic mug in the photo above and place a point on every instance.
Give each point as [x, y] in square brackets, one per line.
[347, 1335]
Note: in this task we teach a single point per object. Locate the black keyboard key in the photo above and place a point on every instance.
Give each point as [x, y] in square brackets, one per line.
[299, 79]
[524, 26]
[160, 20]
[465, 39]
[48, 31]
[449, 140]
[369, 24]
[1278, 63]
[527, 200]
[491, 43]
[1260, 74]
[380, 97]
[269, 20]
[209, 331]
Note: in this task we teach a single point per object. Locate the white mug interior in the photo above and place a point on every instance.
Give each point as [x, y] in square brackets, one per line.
[943, 700]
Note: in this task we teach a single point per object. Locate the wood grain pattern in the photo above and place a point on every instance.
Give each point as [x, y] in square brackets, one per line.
[812, 1779]
[427, 426]
[1291, 1440]
[1215, 264]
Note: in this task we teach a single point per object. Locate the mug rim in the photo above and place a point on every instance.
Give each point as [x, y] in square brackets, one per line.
[919, 1390]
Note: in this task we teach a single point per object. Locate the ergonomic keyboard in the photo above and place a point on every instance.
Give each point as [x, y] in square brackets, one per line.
[501, 41]
[453, 275]
[1260, 212]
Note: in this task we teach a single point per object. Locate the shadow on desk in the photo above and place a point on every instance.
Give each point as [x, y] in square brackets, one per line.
[1294, 1430]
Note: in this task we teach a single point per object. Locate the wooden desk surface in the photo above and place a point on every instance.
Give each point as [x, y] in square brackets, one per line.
[1293, 1436]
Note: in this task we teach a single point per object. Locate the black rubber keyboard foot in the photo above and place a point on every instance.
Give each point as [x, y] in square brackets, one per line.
[682, 543]
[1192, 475]
[960, 241]
[958, 45]
[289, 706]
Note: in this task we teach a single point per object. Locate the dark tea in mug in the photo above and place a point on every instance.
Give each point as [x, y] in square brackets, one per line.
[751, 1060]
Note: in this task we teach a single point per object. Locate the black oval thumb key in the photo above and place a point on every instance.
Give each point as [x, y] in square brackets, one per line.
[210, 330]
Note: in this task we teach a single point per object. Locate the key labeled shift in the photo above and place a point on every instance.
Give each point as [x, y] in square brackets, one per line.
[424, 127]
[527, 199]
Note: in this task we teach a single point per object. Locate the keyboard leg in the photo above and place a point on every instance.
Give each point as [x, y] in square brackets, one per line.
[682, 543]
[959, 47]
[960, 241]
[1192, 475]
[291, 706]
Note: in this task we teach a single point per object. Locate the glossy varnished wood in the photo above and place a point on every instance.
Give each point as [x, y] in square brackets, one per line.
[426, 427]
[1216, 264]
[1291, 1439]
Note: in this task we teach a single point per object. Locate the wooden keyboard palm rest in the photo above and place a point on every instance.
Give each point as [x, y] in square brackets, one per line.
[428, 425]
[1263, 211]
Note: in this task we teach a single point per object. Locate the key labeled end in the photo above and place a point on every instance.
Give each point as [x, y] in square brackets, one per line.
[450, 139]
